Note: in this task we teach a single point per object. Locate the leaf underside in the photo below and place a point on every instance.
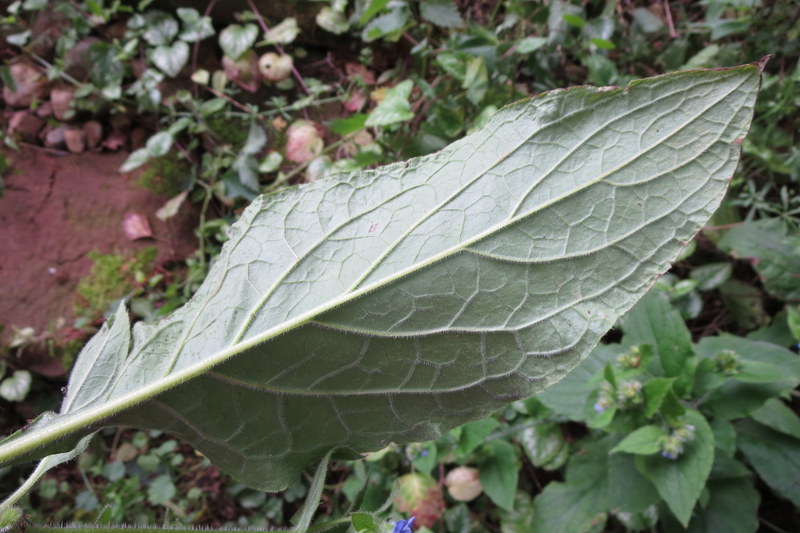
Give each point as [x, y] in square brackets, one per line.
[394, 304]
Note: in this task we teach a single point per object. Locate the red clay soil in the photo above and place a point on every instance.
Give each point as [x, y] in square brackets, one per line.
[56, 209]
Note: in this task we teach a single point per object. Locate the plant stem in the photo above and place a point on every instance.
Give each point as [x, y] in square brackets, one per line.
[264, 27]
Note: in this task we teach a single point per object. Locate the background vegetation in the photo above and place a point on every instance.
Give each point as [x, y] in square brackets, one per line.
[687, 414]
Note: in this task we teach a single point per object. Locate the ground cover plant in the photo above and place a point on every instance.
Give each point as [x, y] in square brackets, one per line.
[464, 64]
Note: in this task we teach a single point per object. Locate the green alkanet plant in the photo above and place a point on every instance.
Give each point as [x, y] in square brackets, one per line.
[393, 304]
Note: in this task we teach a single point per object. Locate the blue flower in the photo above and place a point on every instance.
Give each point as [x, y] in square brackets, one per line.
[404, 526]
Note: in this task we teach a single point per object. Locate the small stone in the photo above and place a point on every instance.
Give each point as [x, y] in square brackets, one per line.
[45, 110]
[94, 134]
[55, 137]
[76, 140]
[61, 100]
[25, 125]
[31, 85]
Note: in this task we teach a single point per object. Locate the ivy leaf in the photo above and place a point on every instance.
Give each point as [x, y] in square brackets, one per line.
[171, 59]
[235, 40]
[195, 26]
[393, 304]
[394, 107]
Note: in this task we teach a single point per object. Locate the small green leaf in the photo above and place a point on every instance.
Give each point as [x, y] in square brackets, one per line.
[171, 59]
[644, 441]
[395, 106]
[363, 522]
[373, 8]
[135, 160]
[680, 481]
[349, 125]
[161, 28]
[603, 44]
[628, 490]
[530, 44]
[777, 415]
[271, 162]
[711, 275]
[472, 434]
[195, 27]
[332, 21]
[283, 33]
[256, 140]
[724, 437]
[236, 39]
[442, 13]
[732, 507]
[654, 392]
[573, 20]
[159, 144]
[16, 387]
[499, 469]
[542, 443]
[654, 321]
[774, 455]
[476, 79]
[646, 21]
[519, 519]
[161, 490]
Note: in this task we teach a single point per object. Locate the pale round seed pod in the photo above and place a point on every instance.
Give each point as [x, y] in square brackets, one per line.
[463, 483]
[275, 67]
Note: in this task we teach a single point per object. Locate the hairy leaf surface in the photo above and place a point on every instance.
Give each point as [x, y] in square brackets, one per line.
[393, 304]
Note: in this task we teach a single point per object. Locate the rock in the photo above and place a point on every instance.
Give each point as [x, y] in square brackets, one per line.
[75, 139]
[55, 137]
[25, 125]
[45, 110]
[94, 134]
[61, 100]
[31, 85]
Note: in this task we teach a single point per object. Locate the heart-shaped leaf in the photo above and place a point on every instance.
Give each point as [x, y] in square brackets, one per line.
[392, 304]
[235, 40]
[171, 59]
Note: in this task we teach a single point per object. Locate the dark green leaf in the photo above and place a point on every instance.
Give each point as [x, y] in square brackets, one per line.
[774, 455]
[349, 125]
[777, 415]
[442, 13]
[654, 392]
[680, 481]
[653, 321]
[776, 251]
[628, 490]
[499, 468]
[644, 441]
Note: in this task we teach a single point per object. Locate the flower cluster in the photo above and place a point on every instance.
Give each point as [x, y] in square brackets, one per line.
[629, 393]
[728, 362]
[673, 444]
[605, 399]
[630, 359]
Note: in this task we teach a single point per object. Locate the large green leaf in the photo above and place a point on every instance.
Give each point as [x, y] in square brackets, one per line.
[390, 305]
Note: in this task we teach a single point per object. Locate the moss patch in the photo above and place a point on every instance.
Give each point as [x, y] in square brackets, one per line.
[112, 277]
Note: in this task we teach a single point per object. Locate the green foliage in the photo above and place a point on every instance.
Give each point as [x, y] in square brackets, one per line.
[113, 276]
[463, 63]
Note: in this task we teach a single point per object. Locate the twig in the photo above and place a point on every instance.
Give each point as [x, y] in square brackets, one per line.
[264, 27]
[670, 24]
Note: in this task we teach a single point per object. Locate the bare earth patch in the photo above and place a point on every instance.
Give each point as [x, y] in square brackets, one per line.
[57, 209]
